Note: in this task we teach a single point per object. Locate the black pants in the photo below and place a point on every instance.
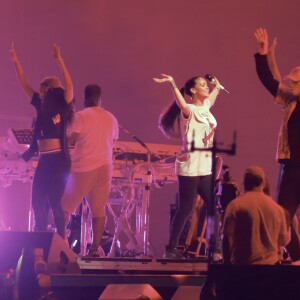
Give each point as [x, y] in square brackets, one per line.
[289, 198]
[47, 189]
[189, 188]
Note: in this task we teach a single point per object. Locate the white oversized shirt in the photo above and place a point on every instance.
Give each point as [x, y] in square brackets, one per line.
[200, 127]
[98, 129]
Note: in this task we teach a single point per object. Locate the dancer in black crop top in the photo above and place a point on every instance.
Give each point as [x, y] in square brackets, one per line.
[53, 105]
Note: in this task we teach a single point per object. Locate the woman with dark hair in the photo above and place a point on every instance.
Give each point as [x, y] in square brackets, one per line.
[54, 111]
[194, 169]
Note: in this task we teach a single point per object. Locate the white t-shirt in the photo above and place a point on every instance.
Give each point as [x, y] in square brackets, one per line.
[98, 129]
[200, 127]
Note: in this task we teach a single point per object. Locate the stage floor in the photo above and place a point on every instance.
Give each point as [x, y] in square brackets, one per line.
[135, 265]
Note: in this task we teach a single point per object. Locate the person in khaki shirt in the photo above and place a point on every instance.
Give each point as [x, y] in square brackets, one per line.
[255, 228]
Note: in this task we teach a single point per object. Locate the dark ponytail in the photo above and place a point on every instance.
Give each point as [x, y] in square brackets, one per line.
[169, 120]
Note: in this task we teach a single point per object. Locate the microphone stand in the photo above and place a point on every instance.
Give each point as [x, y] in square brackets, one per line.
[137, 139]
[212, 226]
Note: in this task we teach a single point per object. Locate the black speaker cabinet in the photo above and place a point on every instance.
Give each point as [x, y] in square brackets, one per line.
[255, 282]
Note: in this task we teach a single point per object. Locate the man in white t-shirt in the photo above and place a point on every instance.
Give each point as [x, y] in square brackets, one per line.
[93, 134]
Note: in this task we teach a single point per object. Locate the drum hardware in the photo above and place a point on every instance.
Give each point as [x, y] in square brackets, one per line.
[143, 172]
[194, 241]
[218, 215]
[137, 198]
[122, 220]
[229, 188]
[80, 229]
[86, 228]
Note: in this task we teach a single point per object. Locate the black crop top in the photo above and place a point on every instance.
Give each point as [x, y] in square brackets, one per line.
[51, 121]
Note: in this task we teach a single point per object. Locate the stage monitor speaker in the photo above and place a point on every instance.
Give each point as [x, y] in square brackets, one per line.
[18, 251]
[129, 292]
[187, 292]
[59, 258]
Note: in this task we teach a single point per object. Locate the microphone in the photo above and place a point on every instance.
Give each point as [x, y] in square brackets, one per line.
[213, 80]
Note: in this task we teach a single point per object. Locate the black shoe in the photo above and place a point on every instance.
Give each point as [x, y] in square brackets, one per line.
[172, 253]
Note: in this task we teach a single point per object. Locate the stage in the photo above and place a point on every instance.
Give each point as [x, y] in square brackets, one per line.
[70, 276]
[169, 278]
[129, 278]
[119, 279]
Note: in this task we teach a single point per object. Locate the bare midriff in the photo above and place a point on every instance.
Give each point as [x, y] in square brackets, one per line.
[46, 145]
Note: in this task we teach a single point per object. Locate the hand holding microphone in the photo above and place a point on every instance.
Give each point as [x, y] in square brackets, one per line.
[214, 81]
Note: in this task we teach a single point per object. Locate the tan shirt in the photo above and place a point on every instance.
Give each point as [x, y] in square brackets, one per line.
[283, 148]
[254, 230]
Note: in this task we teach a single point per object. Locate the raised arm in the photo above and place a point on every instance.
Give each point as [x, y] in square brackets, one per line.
[20, 73]
[215, 92]
[272, 61]
[178, 96]
[263, 70]
[66, 75]
[262, 39]
[261, 36]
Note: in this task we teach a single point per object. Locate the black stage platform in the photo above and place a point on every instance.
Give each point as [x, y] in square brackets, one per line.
[71, 277]
[117, 278]
[169, 278]
[177, 280]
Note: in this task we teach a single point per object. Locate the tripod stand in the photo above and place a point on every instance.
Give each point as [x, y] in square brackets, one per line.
[140, 239]
[136, 197]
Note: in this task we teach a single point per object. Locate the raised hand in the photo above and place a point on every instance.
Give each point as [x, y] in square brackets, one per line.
[20, 72]
[215, 82]
[274, 45]
[66, 74]
[261, 36]
[56, 52]
[165, 78]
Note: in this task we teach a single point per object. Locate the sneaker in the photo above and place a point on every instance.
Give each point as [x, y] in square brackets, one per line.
[95, 253]
[217, 257]
[172, 253]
